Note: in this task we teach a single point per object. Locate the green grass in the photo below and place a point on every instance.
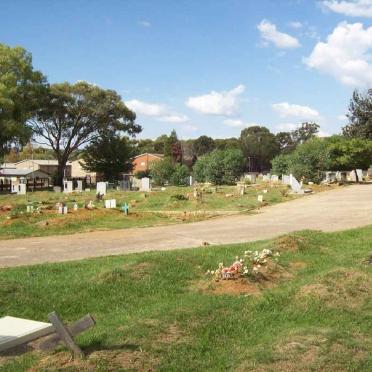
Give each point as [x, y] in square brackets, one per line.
[150, 209]
[152, 313]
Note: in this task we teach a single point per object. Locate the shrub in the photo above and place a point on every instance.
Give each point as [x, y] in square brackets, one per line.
[180, 175]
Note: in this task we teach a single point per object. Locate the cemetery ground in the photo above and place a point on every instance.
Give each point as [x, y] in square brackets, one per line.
[160, 311]
[174, 205]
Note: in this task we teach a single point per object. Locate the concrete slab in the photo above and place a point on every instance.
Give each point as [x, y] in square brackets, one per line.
[17, 331]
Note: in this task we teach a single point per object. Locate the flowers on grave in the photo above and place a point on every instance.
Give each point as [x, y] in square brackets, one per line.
[252, 263]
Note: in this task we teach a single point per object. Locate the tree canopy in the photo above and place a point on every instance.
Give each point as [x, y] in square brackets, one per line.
[73, 115]
[21, 88]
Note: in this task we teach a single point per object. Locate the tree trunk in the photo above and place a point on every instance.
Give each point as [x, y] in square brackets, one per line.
[356, 176]
[60, 172]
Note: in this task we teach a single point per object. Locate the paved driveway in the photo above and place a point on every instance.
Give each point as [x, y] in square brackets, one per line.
[327, 211]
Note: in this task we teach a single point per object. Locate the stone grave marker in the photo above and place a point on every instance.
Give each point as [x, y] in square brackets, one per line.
[191, 180]
[67, 186]
[79, 187]
[266, 177]
[101, 188]
[260, 198]
[285, 179]
[57, 188]
[21, 189]
[360, 174]
[110, 203]
[295, 185]
[274, 178]
[145, 184]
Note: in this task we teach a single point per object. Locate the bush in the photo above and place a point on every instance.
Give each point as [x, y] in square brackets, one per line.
[142, 174]
[162, 171]
[220, 167]
[180, 175]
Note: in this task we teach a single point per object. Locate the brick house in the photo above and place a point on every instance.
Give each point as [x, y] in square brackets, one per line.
[141, 163]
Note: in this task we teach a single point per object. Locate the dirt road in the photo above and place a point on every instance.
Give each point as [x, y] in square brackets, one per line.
[327, 211]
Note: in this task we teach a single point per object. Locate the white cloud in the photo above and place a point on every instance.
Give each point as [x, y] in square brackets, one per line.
[286, 127]
[342, 117]
[285, 110]
[146, 24]
[295, 24]
[352, 8]
[174, 118]
[217, 103]
[345, 55]
[159, 111]
[270, 34]
[238, 123]
[323, 134]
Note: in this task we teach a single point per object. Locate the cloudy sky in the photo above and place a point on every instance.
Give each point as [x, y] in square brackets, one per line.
[205, 67]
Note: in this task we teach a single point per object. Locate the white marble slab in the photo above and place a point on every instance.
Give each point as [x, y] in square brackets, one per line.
[17, 331]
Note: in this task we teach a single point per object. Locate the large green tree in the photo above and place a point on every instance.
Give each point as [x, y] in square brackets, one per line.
[203, 145]
[109, 155]
[259, 146]
[360, 116]
[73, 115]
[21, 88]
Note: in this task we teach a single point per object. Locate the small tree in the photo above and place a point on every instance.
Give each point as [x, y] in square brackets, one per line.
[162, 171]
[74, 115]
[109, 155]
[180, 175]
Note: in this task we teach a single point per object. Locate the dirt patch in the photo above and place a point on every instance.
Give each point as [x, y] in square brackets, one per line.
[269, 276]
[297, 265]
[172, 334]
[107, 360]
[291, 243]
[344, 288]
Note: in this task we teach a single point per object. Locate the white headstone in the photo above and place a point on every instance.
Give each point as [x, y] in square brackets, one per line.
[21, 189]
[260, 198]
[67, 186]
[76, 207]
[286, 179]
[295, 185]
[266, 177]
[101, 188]
[145, 184]
[110, 203]
[79, 187]
[191, 181]
[274, 178]
[360, 174]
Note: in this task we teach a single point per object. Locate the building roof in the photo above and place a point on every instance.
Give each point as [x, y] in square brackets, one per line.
[41, 161]
[7, 165]
[160, 156]
[20, 172]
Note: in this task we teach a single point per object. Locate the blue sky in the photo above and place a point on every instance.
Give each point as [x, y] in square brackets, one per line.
[205, 66]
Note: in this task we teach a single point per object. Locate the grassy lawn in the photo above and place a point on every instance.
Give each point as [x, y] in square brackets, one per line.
[147, 209]
[160, 311]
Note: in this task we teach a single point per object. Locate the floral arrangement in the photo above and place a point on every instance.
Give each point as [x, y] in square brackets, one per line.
[241, 267]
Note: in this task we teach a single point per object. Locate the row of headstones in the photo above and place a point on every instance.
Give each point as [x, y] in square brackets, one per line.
[252, 177]
[109, 204]
[343, 176]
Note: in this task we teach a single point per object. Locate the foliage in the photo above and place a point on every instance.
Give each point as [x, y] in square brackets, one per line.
[220, 167]
[305, 132]
[109, 155]
[285, 142]
[360, 116]
[203, 145]
[21, 89]
[162, 171]
[142, 174]
[350, 153]
[180, 175]
[280, 164]
[308, 161]
[259, 146]
[76, 114]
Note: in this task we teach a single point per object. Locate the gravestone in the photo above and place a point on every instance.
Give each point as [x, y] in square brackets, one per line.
[250, 177]
[30, 209]
[76, 207]
[57, 188]
[14, 187]
[79, 187]
[295, 185]
[62, 209]
[125, 185]
[360, 174]
[110, 203]
[286, 179]
[240, 187]
[101, 188]
[266, 177]
[145, 184]
[191, 181]
[274, 178]
[330, 177]
[67, 186]
[21, 190]
[260, 198]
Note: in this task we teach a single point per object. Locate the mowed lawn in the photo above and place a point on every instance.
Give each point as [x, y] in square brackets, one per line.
[174, 205]
[159, 311]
